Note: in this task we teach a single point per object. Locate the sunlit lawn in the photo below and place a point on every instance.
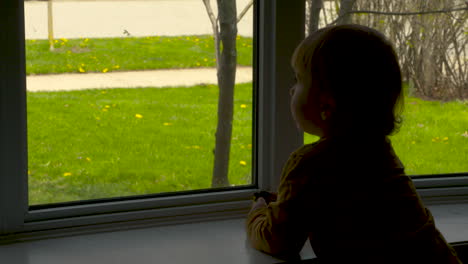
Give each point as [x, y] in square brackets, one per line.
[129, 53]
[110, 143]
[116, 142]
[433, 138]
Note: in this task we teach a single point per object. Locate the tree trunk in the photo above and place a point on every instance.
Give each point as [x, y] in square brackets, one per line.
[50, 25]
[345, 7]
[227, 16]
[314, 15]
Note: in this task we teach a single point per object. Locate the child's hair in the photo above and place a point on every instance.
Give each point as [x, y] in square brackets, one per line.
[359, 68]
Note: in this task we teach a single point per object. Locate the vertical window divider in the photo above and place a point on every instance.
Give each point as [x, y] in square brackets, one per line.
[281, 30]
[13, 137]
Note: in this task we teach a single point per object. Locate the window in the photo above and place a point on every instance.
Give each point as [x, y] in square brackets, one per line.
[153, 133]
[431, 46]
[279, 28]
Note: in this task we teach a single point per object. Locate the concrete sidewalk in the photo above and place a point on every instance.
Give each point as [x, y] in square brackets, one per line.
[133, 79]
[104, 18]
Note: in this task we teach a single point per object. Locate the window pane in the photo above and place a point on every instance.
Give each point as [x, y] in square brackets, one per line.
[432, 48]
[123, 99]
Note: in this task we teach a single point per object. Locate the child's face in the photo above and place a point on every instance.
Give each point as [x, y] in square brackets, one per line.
[305, 105]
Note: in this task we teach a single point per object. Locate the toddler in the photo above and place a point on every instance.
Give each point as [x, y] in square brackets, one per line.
[348, 192]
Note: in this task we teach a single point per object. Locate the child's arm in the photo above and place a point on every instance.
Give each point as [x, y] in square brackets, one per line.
[280, 228]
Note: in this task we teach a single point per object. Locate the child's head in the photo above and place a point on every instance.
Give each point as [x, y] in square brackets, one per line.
[348, 82]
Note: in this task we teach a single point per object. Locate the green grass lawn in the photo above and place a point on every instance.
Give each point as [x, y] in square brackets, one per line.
[129, 53]
[433, 138]
[117, 142]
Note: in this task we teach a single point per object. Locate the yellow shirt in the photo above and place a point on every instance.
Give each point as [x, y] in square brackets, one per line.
[354, 202]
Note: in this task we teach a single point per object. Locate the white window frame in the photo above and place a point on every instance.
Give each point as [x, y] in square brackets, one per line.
[279, 29]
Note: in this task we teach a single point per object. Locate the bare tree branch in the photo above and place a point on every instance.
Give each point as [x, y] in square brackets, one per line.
[401, 13]
[408, 13]
[210, 12]
[215, 27]
[344, 16]
[314, 15]
[246, 8]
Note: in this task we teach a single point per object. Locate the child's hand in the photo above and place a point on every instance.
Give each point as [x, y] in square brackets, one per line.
[259, 203]
[267, 196]
[273, 197]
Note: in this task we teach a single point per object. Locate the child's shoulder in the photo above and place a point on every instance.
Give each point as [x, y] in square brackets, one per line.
[311, 150]
[309, 153]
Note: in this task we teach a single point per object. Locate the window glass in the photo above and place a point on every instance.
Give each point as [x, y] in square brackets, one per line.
[430, 39]
[123, 98]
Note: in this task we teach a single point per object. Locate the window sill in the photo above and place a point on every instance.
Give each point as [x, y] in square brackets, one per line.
[204, 242]
[200, 242]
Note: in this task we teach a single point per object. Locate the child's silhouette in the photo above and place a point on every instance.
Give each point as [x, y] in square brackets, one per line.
[347, 192]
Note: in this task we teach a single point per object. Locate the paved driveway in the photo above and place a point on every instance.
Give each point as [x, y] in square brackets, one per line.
[76, 19]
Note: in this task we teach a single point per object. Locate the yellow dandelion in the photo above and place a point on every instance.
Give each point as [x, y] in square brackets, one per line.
[64, 39]
[238, 37]
[198, 64]
[413, 142]
[105, 70]
[445, 138]
[98, 118]
[205, 59]
[80, 69]
[88, 159]
[243, 163]
[82, 64]
[68, 51]
[29, 172]
[103, 92]
[66, 174]
[107, 106]
[167, 124]
[86, 40]
[249, 145]
[104, 109]
[138, 116]
[116, 66]
[196, 147]
[243, 106]
[114, 105]
[56, 41]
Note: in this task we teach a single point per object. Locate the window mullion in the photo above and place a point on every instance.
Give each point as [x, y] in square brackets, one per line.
[282, 28]
[13, 154]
